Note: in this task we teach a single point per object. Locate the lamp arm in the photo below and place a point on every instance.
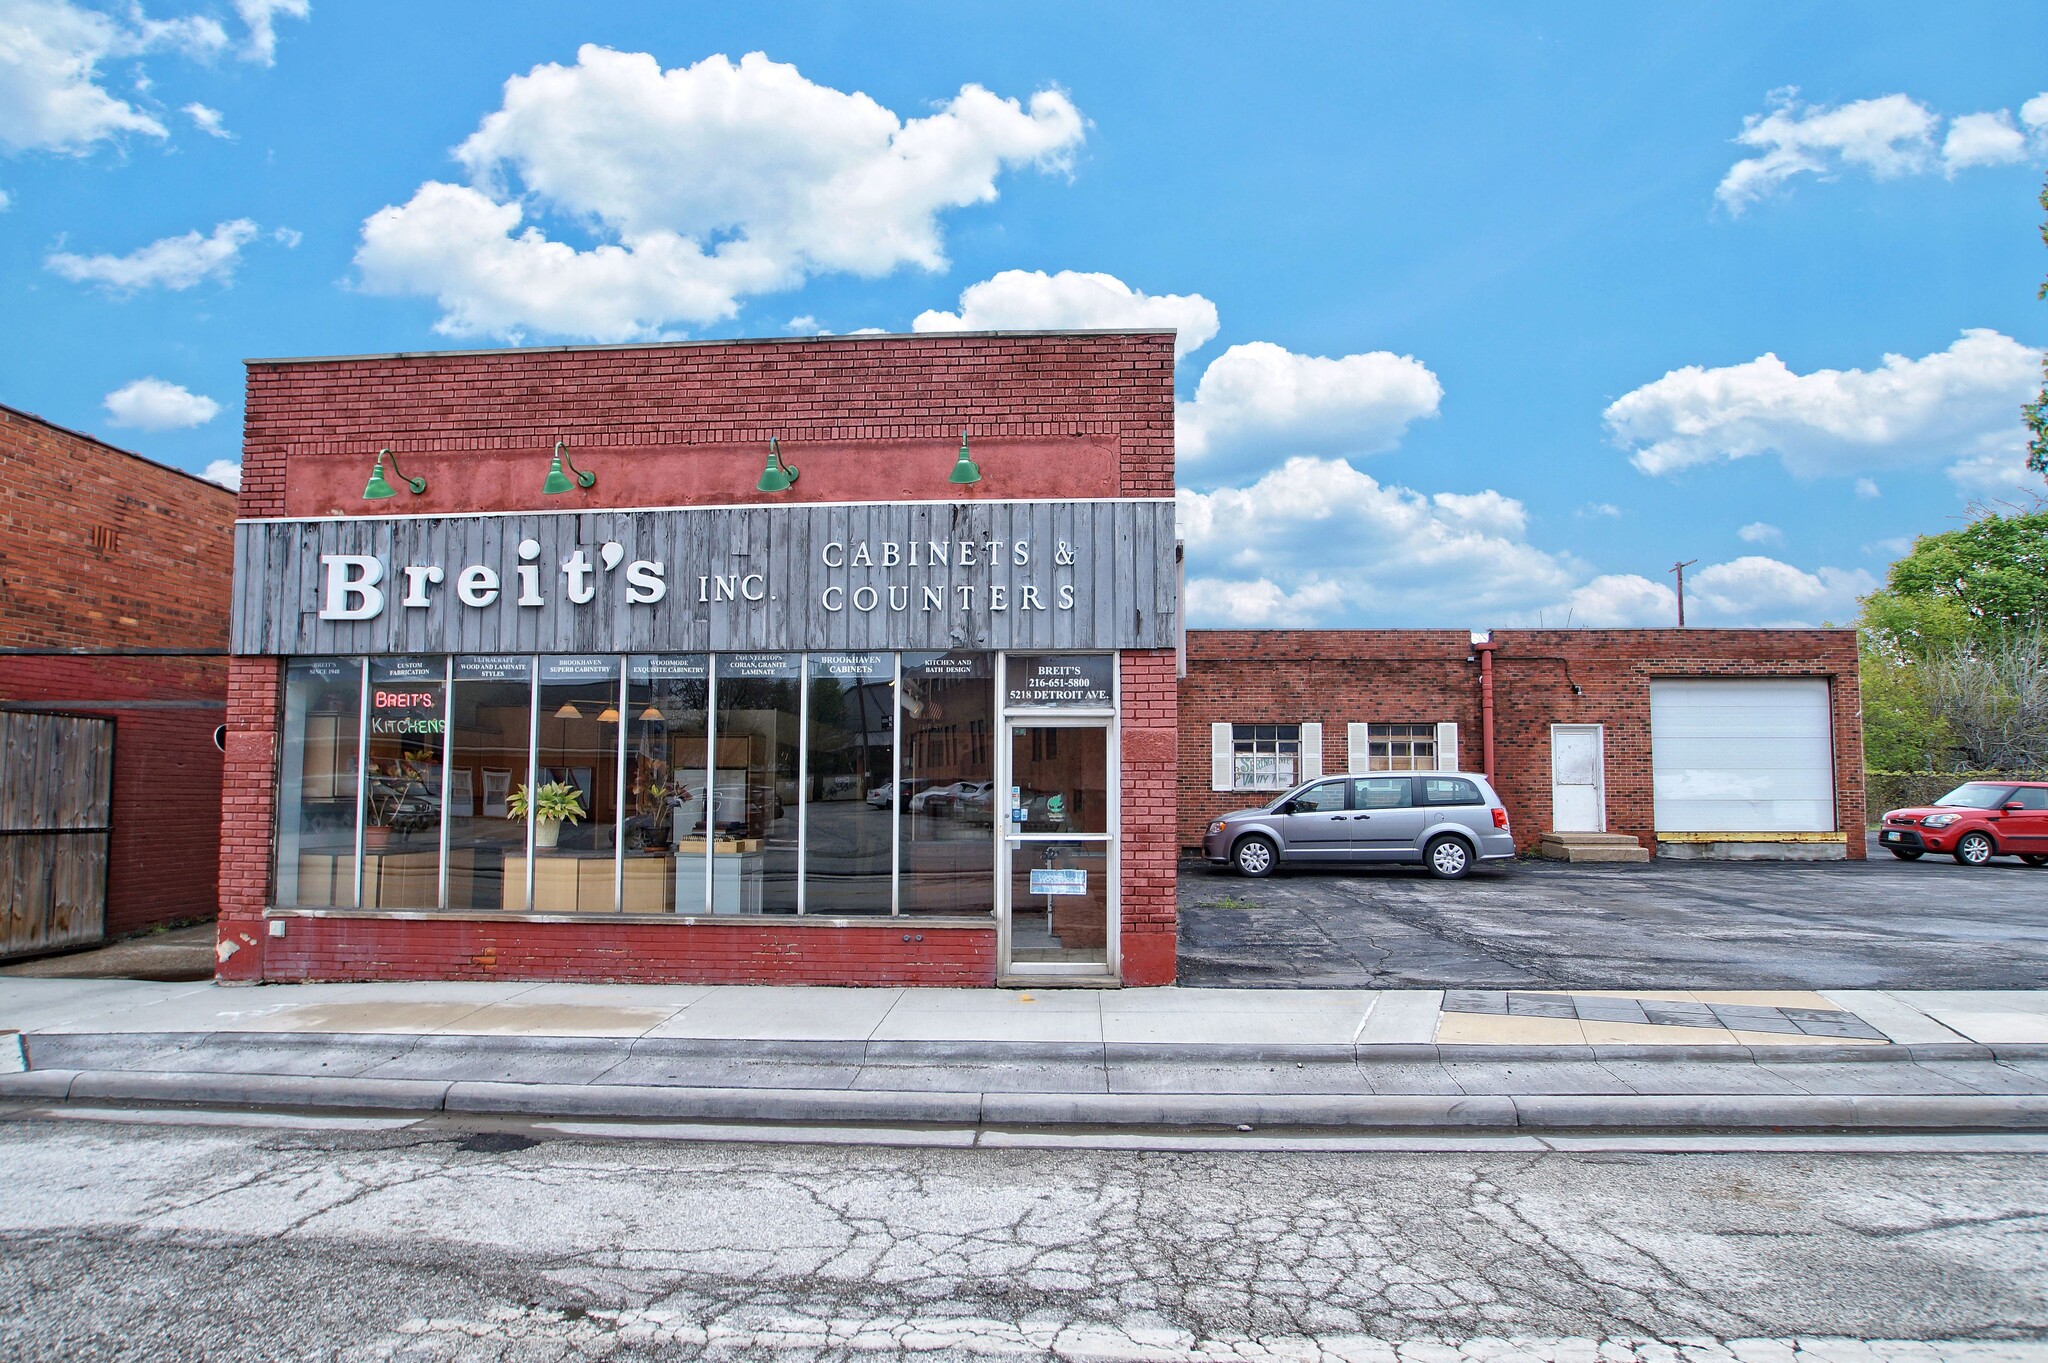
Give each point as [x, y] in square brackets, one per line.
[582, 479]
[418, 485]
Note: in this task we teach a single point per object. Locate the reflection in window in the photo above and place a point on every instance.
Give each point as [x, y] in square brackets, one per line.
[402, 785]
[849, 815]
[316, 783]
[754, 783]
[667, 788]
[575, 801]
[947, 807]
[490, 705]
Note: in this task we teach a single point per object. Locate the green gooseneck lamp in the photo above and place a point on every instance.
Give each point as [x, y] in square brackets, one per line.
[558, 481]
[778, 476]
[378, 488]
[964, 470]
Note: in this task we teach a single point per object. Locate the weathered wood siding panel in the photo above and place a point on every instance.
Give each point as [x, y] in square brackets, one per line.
[1096, 575]
[56, 801]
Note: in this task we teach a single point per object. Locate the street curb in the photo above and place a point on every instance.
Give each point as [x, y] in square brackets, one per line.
[1563, 1112]
[59, 1045]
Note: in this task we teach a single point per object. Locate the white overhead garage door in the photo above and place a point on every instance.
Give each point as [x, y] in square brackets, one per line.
[1742, 756]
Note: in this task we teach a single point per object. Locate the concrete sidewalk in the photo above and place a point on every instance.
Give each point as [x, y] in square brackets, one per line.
[1664, 1060]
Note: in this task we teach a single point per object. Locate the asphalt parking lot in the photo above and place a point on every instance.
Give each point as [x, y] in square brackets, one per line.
[1880, 924]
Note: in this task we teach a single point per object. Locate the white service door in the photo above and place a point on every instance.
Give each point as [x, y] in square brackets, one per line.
[1578, 782]
[1742, 756]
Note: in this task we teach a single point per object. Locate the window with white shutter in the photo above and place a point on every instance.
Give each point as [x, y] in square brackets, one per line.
[1262, 757]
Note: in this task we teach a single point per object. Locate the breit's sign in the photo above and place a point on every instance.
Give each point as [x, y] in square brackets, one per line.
[1083, 575]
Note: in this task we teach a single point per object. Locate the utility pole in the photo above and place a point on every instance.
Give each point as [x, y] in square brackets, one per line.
[1680, 568]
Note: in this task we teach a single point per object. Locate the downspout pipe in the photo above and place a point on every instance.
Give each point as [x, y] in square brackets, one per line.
[1484, 648]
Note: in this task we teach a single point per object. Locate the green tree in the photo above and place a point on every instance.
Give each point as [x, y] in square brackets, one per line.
[1978, 584]
[2037, 411]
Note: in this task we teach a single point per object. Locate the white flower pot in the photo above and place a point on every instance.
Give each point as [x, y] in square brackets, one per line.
[546, 831]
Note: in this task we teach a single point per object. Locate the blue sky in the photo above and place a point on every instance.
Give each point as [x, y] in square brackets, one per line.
[1486, 296]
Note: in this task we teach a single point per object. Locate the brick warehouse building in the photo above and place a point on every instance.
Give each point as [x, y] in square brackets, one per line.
[1692, 742]
[114, 575]
[579, 680]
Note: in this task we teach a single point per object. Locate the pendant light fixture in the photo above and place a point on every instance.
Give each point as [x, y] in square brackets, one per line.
[965, 469]
[568, 711]
[778, 476]
[557, 480]
[378, 488]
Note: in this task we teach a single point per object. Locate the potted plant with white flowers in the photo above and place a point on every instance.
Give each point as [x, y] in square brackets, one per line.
[553, 803]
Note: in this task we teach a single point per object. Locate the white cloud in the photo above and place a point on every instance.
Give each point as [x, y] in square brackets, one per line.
[1895, 547]
[1982, 140]
[1760, 532]
[1867, 488]
[1954, 406]
[226, 472]
[1767, 592]
[1032, 300]
[803, 325]
[1598, 510]
[1316, 539]
[208, 121]
[50, 96]
[260, 17]
[288, 237]
[171, 263]
[1316, 542]
[1258, 401]
[154, 405]
[715, 181]
[5, 202]
[1888, 136]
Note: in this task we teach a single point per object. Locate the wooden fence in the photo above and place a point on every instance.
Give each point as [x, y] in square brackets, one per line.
[56, 803]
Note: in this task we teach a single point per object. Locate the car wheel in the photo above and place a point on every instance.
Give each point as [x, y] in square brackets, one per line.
[1907, 854]
[1254, 857]
[1448, 858]
[2034, 859]
[1974, 849]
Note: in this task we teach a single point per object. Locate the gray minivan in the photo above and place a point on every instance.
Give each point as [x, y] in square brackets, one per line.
[1443, 820]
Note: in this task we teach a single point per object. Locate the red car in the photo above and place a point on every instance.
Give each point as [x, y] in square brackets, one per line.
[1974, 823]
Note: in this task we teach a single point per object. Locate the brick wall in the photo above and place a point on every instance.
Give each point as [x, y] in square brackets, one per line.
[866, 419]
[1340, 677]
[102, 549]
[165, 845]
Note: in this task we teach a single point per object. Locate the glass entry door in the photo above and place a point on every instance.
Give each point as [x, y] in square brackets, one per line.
[1058, 850]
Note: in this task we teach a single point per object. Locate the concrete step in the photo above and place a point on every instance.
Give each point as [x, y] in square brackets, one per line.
[1591, 847]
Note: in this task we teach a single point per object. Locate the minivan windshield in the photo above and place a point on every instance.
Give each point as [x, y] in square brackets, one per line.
[1976, 795]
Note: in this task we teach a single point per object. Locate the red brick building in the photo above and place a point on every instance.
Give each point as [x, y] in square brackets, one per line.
[114, 577]
[1693, 742]
[576, 683]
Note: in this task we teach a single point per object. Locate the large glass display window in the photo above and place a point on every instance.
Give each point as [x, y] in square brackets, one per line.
[407, 737]
[574, 802]
[490, 706]
[755, 783]
[945, 796]
[849, 771]
[663, 865]
[318, 752]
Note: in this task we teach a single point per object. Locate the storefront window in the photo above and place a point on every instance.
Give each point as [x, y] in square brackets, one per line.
[574, 806]
[667, 790]
[408, 727]
[849, 763]
[316, 790]
[491, 706]
[754, 788]
[947, 807]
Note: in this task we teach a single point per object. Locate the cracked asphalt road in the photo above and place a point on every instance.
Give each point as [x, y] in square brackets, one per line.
[229, 1243]
[1882, 924]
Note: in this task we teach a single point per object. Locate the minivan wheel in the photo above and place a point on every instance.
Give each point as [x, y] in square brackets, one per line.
[1975, 849]
[1254, 857]
[1448, 858]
